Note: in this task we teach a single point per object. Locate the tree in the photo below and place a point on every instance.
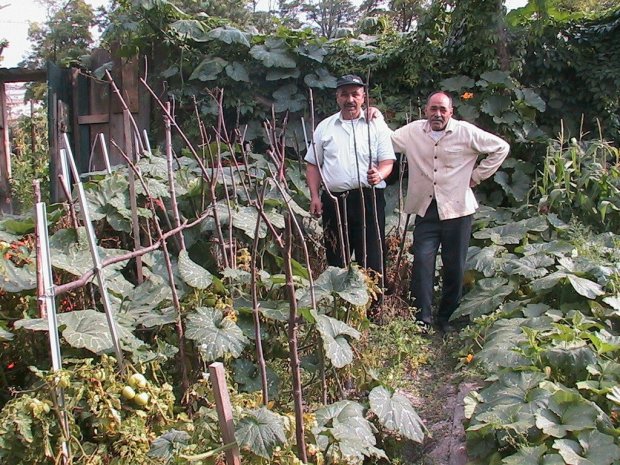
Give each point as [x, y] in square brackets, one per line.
[237, 11]
[64, 37]
[330, 15]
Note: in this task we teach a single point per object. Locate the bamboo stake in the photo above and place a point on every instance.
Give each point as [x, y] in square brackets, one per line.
[173, 196]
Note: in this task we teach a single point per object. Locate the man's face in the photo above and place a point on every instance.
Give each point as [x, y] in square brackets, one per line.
[350, 99]
[438, 111]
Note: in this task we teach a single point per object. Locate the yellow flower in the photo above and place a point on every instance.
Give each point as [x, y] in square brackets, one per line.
[467, 95]
[469, 358]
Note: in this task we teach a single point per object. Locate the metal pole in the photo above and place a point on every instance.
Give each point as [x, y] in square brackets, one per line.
[46, 300]
[92, 242]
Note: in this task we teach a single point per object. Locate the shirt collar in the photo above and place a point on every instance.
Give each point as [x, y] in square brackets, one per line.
[449, 127]
[345, 121]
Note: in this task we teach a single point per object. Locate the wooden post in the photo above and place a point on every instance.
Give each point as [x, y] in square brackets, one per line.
[6, 204]
[224, 411]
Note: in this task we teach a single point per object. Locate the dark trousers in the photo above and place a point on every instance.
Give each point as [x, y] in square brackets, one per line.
[353, 212]
[429, 234]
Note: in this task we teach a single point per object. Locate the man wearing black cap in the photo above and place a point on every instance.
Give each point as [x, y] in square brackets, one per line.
[347, 158]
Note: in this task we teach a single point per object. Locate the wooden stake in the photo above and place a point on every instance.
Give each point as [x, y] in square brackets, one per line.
[224, 411]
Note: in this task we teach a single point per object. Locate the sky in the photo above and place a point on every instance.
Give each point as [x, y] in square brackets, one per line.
[17, 14]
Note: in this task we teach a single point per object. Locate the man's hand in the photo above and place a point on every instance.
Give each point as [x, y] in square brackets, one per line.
[372, 112]
[374, 176]
[316, 207]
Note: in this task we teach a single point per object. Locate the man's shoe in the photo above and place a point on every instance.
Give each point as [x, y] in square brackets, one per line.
[446, 327]
[425, 326]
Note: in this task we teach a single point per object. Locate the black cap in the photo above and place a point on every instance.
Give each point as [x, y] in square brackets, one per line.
[349, 80]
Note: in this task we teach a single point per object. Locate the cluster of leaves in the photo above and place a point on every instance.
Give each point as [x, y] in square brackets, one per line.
[581, 180]
[544, 308]
[216, 293]
[29, 158]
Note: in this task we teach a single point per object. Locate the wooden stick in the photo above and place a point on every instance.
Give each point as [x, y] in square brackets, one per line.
[224, 412]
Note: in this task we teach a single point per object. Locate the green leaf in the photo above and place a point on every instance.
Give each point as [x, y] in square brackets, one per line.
[247, 376]
[497, 77]
[585, 287]
[192, 273]
[343, 425]
[165, 446]
[333, 333]
[5, 335]
[533, 99]
[485, 260]
[217, 336]
[593, 448]
[346, 283]
[513, 233]
[315, 52]
[529, 266]
[496, 105]
[276, 74]
[260, 432]
[237, 72]
[209, 69]
[17, 278]
[321, 79]
[229, 35]
[457, 83]
[396, 413]
[288, 98]
[190, 29]
[85, 329]
[148, 303]
[273, 54]
[484, 298]
[567, 411]
[526, 456]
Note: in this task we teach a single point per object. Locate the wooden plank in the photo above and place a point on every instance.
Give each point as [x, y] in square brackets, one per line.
[130, 82]
[224, 411]
[99, 104]
[94, 119]
[22, 75]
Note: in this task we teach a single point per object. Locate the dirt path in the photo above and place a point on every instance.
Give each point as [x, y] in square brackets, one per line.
[437, 392]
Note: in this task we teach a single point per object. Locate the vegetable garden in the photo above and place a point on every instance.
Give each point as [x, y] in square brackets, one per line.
[208, 254]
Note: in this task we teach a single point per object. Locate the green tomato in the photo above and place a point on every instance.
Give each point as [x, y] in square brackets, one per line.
[128, 393]
[137, 380]
[141, 399]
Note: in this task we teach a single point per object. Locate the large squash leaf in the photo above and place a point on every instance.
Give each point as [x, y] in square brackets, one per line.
[247, 376]
[209, 69]
[216, 335]
[591, 448]
[342, 425]
[165, 446]
[17, 278]
[85, 329]
[260, 432]
[192, 273]
[567, 411]
[273, 53]
[148, 303]
[336, 345]
[346, 283]
[396, 413]
[190, 29]
[5, 335]
[513, 233]
[484, 298]
[229, 35]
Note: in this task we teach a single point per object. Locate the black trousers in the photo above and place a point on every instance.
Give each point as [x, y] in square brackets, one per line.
[357, 217]
[429, 234]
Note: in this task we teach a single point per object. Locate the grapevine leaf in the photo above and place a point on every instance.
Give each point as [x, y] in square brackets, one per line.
[336, 345]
